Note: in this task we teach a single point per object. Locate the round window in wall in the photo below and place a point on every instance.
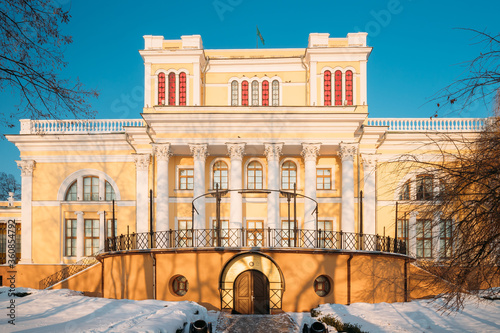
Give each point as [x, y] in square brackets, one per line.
[180, 285]
[322, 285]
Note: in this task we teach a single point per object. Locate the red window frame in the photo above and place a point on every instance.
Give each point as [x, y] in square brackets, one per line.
[244, 93]
[338, 87]
[161, 89]
[265, 93]
[348, 87]
[171, 88]
[182, 88]
[327, 88]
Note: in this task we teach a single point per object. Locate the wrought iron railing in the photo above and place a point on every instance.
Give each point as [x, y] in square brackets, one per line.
[69, 271]
[241, 237]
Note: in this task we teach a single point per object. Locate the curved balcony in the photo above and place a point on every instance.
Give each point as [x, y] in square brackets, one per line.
[255, 238]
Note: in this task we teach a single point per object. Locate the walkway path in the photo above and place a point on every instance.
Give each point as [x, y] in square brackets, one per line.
[281, 323]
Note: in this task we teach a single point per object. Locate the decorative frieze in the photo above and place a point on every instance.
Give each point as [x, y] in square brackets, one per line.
[348, 150]
[26, 167]
[273, 150]
[142, 161]
[199, 151]
[162, 151]
[310, 151]
[236, 150]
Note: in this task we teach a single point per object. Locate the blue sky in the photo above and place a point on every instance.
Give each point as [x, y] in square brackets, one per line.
[417, 49]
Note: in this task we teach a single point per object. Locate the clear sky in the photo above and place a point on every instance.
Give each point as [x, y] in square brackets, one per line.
[417, 49]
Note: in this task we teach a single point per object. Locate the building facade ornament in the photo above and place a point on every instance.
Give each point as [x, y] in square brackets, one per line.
[348, 150]
[236, 150]
[199, 151]
[142, 161]
[162, 151]
[26, 167]
[310, 151]
[273, 150]
[369, 161]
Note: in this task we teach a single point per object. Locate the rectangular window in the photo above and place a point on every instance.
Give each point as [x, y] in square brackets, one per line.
[91, 188]
[255, 233]
[424, 239]
[185, 233]
[424, 187]
[109, 228]
[403, 230]
[70, 238]
[445, 239]
[323, 179]
[288, 233]
[91, 239]
[186, 179]
[325, 234]
[224, 233]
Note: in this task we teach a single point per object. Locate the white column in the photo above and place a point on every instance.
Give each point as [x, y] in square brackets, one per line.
[26, 167]
[362, 83]
[80, 234]
[347, 152]
[200, 154]
[436, 226]
[369, 202]
[142, 167]
[162, 154]
[236, 151]
[273, 152]
[313, 84]
[412, 234]
[147, 85]
[310, 152]
[102, 228]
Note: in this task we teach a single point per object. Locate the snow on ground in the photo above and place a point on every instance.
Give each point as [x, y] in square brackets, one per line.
[69, 311]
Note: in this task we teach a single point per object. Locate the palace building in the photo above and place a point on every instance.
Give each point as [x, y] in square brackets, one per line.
[253, 181]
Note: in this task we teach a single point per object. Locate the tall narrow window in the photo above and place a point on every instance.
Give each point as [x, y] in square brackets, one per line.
[244, 93]
[288, 233]
[110, 192]
[234, 93]
[182, 88]
[424, 187]
[224, 233]
[91, 239]
[445, 239]
[255, 233]
[171, 88]
[220, 171]
[254, 176]
[424, 239]
[288, 175]
[403, 230]
[323, 179]
[71, 195]
[325, 234]
[404, 194]
[161, 89]
[185, 234]
[186, 179]
[70, 238]
[338, 88]
[348, 87]
[109, 230]
[327, 83]
[255, 93]
[276, 93]
[90, 188]
[265, 93]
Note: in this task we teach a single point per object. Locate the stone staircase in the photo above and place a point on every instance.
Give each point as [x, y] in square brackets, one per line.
[281, 323]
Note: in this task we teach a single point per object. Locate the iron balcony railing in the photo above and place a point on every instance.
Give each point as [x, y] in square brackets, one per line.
[236, 238]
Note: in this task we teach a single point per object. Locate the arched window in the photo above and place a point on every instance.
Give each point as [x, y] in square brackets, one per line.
[220, 171]
[255, 93]
[276, 93]
[338, 87]
[254, 176]
[91, 188]
[234, 93]
[425, 187]
[405, 191]
[71, 194]
[348, 87]
[288, 175]
[265, 93]
[327, 88]
[244, 93]
[171, 88]
[161, 89]
[182, 88]
[110, 192]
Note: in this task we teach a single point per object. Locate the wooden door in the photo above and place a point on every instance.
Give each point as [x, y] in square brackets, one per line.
[251, 290]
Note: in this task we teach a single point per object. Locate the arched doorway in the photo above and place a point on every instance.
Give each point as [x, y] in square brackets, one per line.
[251, 291]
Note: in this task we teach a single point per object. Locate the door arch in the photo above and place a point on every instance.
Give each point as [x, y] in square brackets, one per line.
[251, 291]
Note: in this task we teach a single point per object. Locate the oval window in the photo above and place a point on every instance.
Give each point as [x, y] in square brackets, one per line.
[322, 285]
[180, 285]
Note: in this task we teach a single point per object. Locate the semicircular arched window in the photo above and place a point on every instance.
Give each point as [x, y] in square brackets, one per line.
[288, 175]
[220, 175]
[254, 176]
[72, 192]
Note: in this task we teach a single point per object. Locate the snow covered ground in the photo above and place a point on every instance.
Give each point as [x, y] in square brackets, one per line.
[69, 311]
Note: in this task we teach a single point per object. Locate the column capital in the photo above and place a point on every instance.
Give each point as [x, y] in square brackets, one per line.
[348, 150]
[162, 151]
[199, 151]
[26, 167]
[79, 213]
[142, 161]
[273, 150]
[310, 151]
[236, 150]
[101, 212]
[369, 161]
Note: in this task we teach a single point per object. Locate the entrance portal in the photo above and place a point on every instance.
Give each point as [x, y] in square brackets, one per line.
[251, 290]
